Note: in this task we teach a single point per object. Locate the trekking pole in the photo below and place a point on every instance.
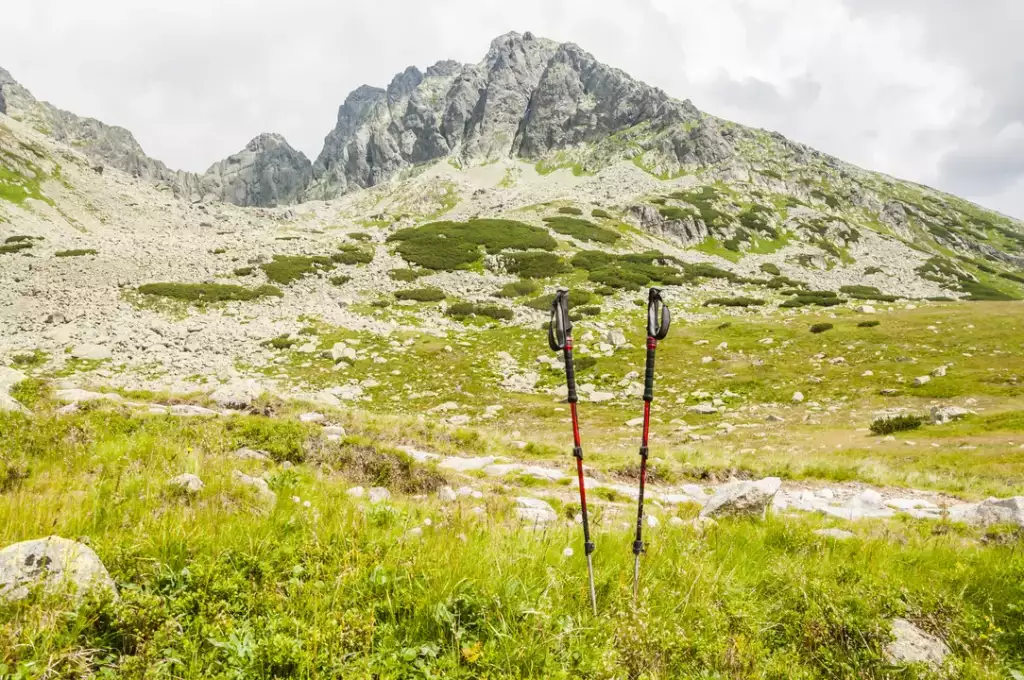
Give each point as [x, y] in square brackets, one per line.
[658, 321]
[560, 340]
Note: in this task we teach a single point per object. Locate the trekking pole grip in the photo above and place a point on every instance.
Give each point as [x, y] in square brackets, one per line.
[649, 375]
[570, 373]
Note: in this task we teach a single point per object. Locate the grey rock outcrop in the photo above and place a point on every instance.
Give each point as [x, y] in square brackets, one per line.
[910, 644]
[51, 563]
[267, 172]
[743, 499]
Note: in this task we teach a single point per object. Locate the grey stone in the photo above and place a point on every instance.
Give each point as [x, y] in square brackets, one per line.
[743, 499]
[188, 483]
[238, 395]
[78, 396]
[252, 454]
[535, 510]
[379, 494]
[191, 411]
[911, 645]
[51, 563]
[922, 380]
[447, 495]
[836, 534]
[260, 485]
[990, 511]
[945, 414]
[91, 352]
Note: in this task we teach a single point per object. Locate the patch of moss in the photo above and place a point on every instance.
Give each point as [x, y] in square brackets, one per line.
[76, 253]
[203, 293]
[582, 230]
[427, 294]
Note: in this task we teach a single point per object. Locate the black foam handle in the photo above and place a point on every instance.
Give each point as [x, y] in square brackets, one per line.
[649, 375]
[570, 377]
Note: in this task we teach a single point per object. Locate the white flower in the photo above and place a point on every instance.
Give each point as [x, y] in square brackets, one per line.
[567, 552]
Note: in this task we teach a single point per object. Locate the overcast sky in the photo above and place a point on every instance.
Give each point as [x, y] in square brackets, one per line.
[929, 90]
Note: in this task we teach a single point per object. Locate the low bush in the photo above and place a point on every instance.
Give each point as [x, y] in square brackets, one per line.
[821, 327]
[21, 238]
[1012, 277]
[280, 342]
[600, 214]
[340, 280]
[287, 269]
[76, 253]
[353, 255]
[884, 426]
[873, 270]
[734, 302]
[979, 292]
[359, 236]
[867, 293]
[427, 294]
[15, 247]
[518, 289]
[535, 264]
[769, 268]
[589, 310]
[407, 275]
[576, 299]
[582, 230]
[208, 292]
[218, 251]
[455, 245]
[671, 212]
[582, 364]
[466, 309]
[570, 211]
[869, 324]
[604, 290]
[244, 271]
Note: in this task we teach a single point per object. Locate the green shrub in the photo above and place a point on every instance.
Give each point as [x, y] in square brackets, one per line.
[208, 292]
[381, 304]
[576, 299]
[280, 342]
[535, 264]
[671, 212]
[465, 309]
[427, 294]
[734, 302]
[979, 292]
[353, 255]
[819, 298]
[821, 327]
[589, 310]
[244, 271]
[884, 426]
[600, 214]
[218, 251]
[570, 211]
[769, 268]
[604, 290]
[581, 364]
[582, 230]
[286, 269]
[867, 293]
[359, 236]
[869, 324]
[21, 238]
[75, 253]
[407, 275]
[518, 289]
[340, 280]
[455, 245]
[14, 247]
[873, 270]
[1012, 277]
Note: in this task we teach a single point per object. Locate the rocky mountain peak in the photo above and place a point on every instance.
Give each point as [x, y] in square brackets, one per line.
[268, 172]
[403, 84]
[444, 68]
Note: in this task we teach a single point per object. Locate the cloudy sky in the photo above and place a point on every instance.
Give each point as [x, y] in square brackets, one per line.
[929, 90]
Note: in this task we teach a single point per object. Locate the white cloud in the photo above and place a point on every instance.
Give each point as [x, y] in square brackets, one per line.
[874, 82]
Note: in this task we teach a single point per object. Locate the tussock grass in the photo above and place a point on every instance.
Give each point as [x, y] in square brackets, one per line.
[76, 253]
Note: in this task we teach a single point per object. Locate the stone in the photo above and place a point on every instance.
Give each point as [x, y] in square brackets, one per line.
[703, 409]
[798, 397]
[91, 352]
[190, 411]
[252, 454]
[447, 495]
[922, 380]
[864, 309]
[945, 414]
[341, 351]
[9, 377]
[835, 534]
[535, 510]
[772, 418]
[939, 372]
[260, 485]
[9, 404]
[598, 397]
[635, 422]
[743, 499]
[912, 645]
[188, 483]
[379, 494]
[52, 563]
[312, 417]
[868, 504]
[615, 338]
[238, 396]
[990, 511]
[334, 432]
[356, 492]
[79, 396]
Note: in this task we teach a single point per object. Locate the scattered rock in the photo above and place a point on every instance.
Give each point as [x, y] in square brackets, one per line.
[743, 499]
[864, 309]
[76, 395]
[939, 372]
[188, 483]
[535, 510]
[447, 495]
[615, 338]
[990, 511]
[257, 483]
[356, 492]
[598, 397]
[798, 397]
[945, 414]
[378, 494]
[910, 645]
[252, 454]
[922, 380]
[91, 352]
[239, 395]
[52, 563]
[312, 417]
[703, 409]
[190, 411]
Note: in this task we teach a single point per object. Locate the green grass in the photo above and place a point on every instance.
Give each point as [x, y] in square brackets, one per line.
[287, 269]
[351, 254]
[202, 293]
[76, 253]
[518, 289]
[224, 587]
[9, 248]
[569, 210]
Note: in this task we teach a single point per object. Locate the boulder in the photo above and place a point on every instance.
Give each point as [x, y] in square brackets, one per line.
[743, 499]
[91, 352]
[10, 404]
[190, 411]
[911, 645]
[940, 372]
[945, 414]
[798, 397]
[9, 377]
[379, 494]
[990, 511]
[239, 395]
[447, 495]
[615, 338]
[864, 309]
[922, 380]
[52, 563]
[76, 395]
[188, 483]
[257, 483]
[252, 454]
[535, 510]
